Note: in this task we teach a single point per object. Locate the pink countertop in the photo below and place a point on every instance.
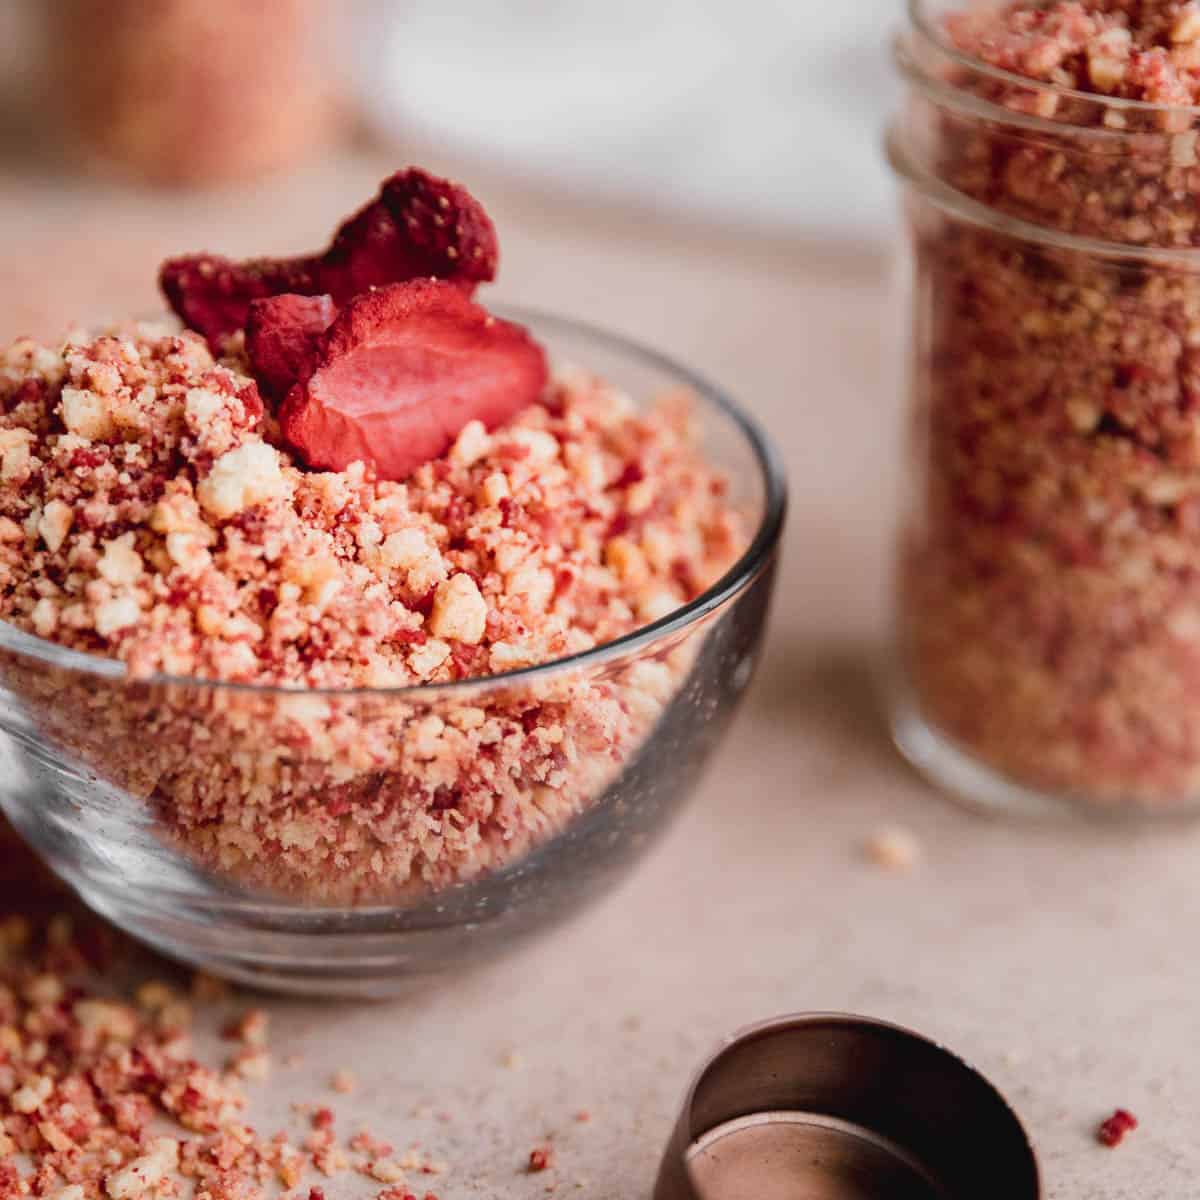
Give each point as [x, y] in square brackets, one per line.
[1055, 958]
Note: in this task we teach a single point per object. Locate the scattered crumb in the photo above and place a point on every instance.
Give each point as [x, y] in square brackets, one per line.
[343, 1081]
[1112, 1131]
[541, 1159]
[583, 1116]
[893, 849]
[103, 1099]
[512, 1060]
[386, 1170]
[250, 1028]
[251, 1062]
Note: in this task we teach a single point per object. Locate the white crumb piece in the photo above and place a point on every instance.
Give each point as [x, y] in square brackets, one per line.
[241, 478]
[252, 1063]
[412, 551]
[626, 558]
[655, 604]
[540, 446]
[120, 563]
[144, 1174]
[1186, 27]
[201, 406]
[255, 1024]
[54, 524]
[535, 583]
[459, 611]
[895, 849]
[106, 1019]
[495, 488]
[386, 1171]
[44, 617]
[14, 452]
[426, 659]
[471, 444]
[85, 414]
[33, 1095]
[116, 614]
[188, 552]
[343, 1081]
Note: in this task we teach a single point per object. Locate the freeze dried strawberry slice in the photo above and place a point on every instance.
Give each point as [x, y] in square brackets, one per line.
[283, 335]
[418, 226]
[401, 371]
[212, 295]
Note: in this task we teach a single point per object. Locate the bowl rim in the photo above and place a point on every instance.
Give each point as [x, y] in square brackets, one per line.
[737, 579]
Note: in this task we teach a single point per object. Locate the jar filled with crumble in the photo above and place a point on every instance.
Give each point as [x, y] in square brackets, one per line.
[1048, 633]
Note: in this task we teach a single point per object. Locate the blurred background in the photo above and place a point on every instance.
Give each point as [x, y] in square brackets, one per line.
[759, 117]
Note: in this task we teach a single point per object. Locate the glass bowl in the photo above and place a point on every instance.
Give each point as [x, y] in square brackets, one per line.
[285, 891]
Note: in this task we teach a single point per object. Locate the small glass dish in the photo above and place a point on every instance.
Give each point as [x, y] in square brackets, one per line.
[290, 891]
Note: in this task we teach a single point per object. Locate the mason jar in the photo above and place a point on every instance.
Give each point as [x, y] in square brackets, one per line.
[1048, 585]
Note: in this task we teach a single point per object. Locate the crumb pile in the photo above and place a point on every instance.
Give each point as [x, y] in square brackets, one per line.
[1051, 605]
[147, 515]
[102, 1098]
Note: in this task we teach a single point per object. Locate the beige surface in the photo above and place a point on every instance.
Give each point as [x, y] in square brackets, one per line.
[1059, 960]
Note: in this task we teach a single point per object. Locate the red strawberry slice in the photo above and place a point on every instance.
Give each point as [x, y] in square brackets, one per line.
[418, 226]
[401, 371]
[283, 334]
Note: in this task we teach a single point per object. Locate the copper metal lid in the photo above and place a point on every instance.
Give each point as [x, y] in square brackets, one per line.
[825, 1106]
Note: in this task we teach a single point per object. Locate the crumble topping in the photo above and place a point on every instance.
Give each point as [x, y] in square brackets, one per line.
[151, 516]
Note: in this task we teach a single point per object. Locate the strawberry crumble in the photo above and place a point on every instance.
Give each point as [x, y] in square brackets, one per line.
[406, 495]
[1050, 607]
[108, 1096]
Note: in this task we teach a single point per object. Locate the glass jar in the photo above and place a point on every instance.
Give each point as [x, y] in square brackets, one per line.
[1048, 644]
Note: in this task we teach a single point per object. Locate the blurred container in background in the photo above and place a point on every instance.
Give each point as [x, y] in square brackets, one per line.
[758, 113]
[191, 91]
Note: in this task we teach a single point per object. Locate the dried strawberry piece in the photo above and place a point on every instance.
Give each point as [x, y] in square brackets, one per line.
[212, 295]
[401, 371]
[283, 334]
[418, 226]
